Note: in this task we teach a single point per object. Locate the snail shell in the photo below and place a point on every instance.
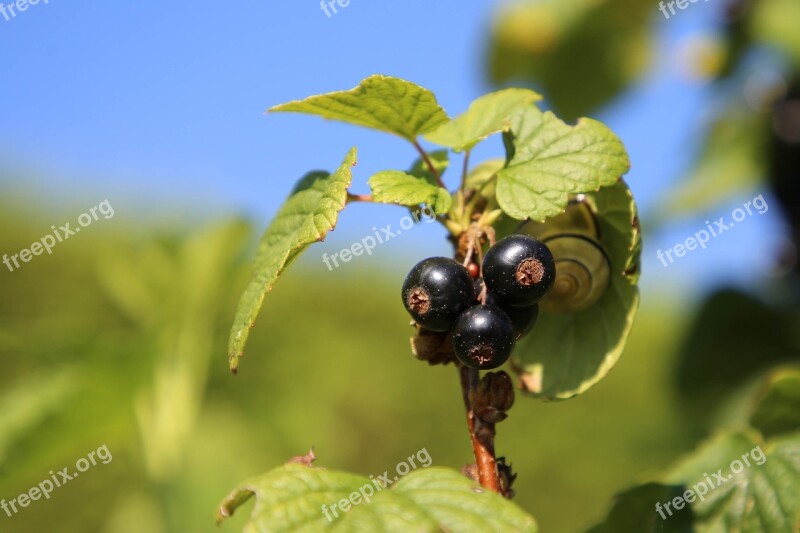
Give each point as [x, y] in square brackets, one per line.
[583, 269]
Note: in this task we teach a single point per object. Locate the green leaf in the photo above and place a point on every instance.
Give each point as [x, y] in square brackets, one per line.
[440, 161]
[380, 102]
[480, 176]
[488, 114]
[634, 510]
[396, 187]
[292, 499]
[553, 160]
[764, 496]
[570, 352]
[307, 216]
[778, 409]
[733, 482]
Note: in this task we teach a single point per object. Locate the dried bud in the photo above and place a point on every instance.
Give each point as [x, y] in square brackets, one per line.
[493, 397]
[507, 477]
[306, 459]
[471, 471]
[435, 348]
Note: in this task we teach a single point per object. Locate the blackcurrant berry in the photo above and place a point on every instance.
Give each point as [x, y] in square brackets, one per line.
[483, 337]
[519, 270]
[437, 291]
[522, 318]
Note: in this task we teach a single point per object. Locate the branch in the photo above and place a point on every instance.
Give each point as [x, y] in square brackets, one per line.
[359, 197]
[429, 164]
[481, 433]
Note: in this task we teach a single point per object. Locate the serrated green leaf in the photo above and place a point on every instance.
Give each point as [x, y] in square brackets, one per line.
[396, 187]
[310, 212]
[293, 498]
[570, 352]
[488, 114]
[750, 499]
[733, 482]
[778, 408]
[553, 160]
[380, 102]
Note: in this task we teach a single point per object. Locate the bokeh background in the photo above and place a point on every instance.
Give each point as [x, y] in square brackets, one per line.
[119, 337]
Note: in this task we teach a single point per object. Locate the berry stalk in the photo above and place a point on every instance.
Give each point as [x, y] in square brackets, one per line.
[481, 434]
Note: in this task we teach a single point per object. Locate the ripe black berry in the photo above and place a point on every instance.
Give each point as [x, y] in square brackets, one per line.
[519, 270]
[483, 337]
[437, 291]
[522, 318]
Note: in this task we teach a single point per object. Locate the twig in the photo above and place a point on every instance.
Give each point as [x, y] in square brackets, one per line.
[359, 197]
[464, 171]
[481, 434]
[429, 163]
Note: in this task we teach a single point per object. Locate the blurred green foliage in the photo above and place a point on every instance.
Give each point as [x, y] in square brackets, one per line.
[580, 53]
[118, 338]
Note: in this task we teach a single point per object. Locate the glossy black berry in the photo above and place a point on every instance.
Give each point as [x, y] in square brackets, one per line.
[483, 337]
[522, 318]
[437, 291]
[519, 270]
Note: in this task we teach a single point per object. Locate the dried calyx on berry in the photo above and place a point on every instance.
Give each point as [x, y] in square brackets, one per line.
[519, 270]
[483, 337]
[436, 292]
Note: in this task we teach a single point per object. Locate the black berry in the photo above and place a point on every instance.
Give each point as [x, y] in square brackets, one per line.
[519, 270]
[483, 337]
[522, 318]
[437, 291]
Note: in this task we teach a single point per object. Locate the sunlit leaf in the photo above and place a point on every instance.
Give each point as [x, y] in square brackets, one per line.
[553, 160]
[750, 486]
[307, 216]
[295, 498]
[396, 187]
[488, 114]
[380, 102]
[569, 352]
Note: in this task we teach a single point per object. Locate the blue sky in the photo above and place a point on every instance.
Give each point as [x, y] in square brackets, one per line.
[159, 108]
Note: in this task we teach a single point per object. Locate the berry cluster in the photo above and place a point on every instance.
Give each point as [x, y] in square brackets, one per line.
[485, 316]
